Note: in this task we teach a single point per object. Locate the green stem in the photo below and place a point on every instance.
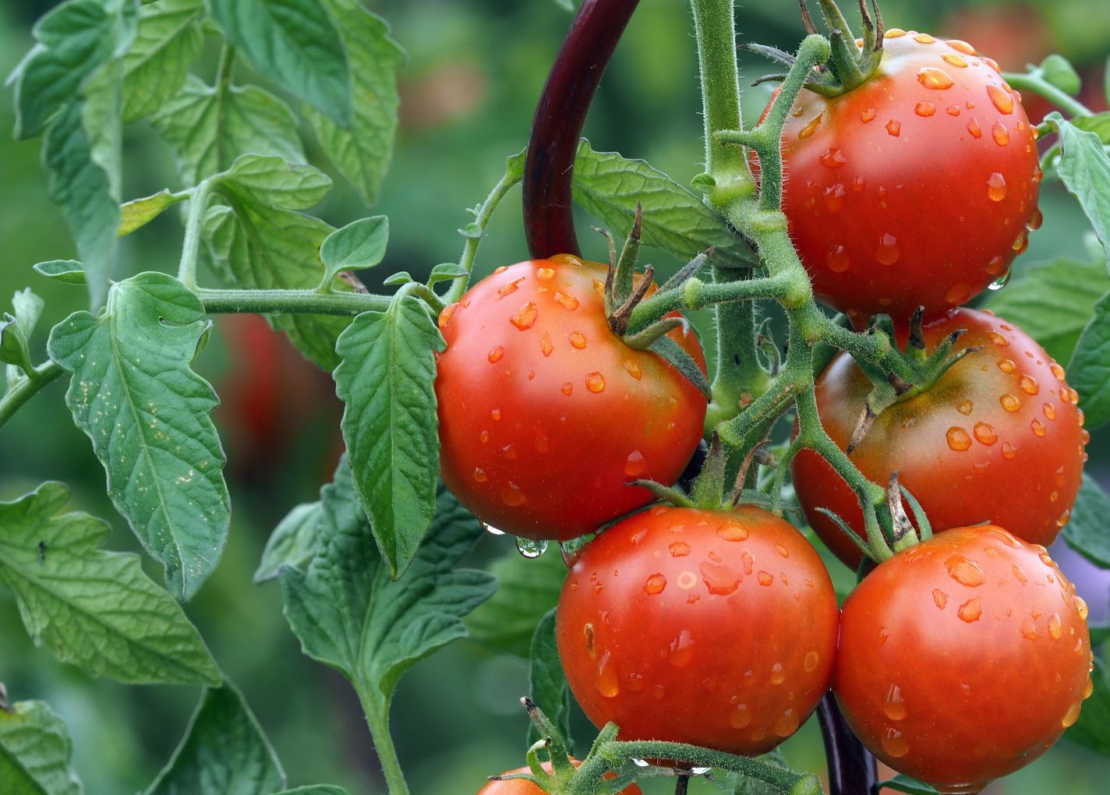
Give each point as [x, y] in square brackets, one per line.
[481, 220]
[27, 388]
[377, 718]
[190, 249]
[223, 73]
[1033, 81]
[697, 294]
[290, 301]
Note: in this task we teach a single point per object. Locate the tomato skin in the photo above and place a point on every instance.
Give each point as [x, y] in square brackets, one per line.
[956, 447]
[545, 413]
[890, 209]
[675, 632]
[963, 659]
[524, 787]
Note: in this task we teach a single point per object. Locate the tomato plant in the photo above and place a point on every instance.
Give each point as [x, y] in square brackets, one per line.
[937, 648]
[1002, 424]
[683, 608]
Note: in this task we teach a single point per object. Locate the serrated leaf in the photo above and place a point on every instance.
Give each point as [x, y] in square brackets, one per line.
[386, 381]
[1084, 168]
[1089, 371]
[272, 182]
[140, 212]
[350, 614]
[207, 129]
[95, 609]
[36, 754]
[256, 247]
[903, 783]
[547, 684]
[293, 542]
[168, 40]
[363, 151]
[357, 246]
[1053, 303]
[224, 752]
[295, 44]
[75, 39]
[527, 590]
[147, 414]
[66, 271]
[1085, 532]
[1099, 124]
[675, 220]
[1092, 730]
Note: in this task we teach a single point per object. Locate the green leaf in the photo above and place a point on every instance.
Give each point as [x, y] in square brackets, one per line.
[675, 220]
[1089, 371]
[1085, 532]
[295, 44]
[1099, 124]
[386, 380]
[208, 128]
[527, 590]
[272, 182]
[140, 212]
[75, 39]
[546, 682]
[1053, 303]
[255, 247]
[903, 783]
[320, 789]
[357, 246]
[348, 612]
[445, 272]
[66, 271]
[1092, 730]
[16, 330]
[36, 754]
[1085, 170]
[362, 152]
[147, 414]
[1058, 71]
[293, 542]
[567, 4]
[95, 609]
[224, 752]
[168, 40]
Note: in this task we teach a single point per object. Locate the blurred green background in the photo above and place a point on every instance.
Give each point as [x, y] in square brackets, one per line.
[474, 71]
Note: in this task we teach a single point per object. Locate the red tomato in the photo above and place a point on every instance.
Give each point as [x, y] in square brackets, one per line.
[964, 658]
[545, 414]
[522, 787]
[915, 188]
[703, 627]
[998, 438]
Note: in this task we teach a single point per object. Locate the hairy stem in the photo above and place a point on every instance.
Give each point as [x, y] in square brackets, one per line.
[1035, 82]
[27, 388]
[190, 249]
[291, 301]
[377, 718]
[481, 220]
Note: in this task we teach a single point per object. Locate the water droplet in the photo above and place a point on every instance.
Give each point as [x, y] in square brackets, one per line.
[1028, 630]
[834, 197]
[1038, 429]
[958, 439]
[633, 369]
[955, 60]
[925, 109]
[974, 128]
[965, 407]
[837, 259]
[595, 382]
[1001, 341]
[810, 128]
[635, 464]
[867, 115]
[740, 717]
[958, 294]
[1008, 450]
[1065, 517]
[1036, 220]
[964, 571]
[641, 763]
[894, 127]
[545, 344]
[1088, 689]
[1029, 385]
[484, 436]
[940, 598]
[765, 578]
[971, 610]
[953, 110]
[1006, 365]
[810, 661]
[732, 532]
[778, 676]
[524, 317]
[961, 46]
[1000, 282]
[1010, 402]
[787, 723]
[1001, 99]
[509, 287]
[924, 38]
[512, 496]
[607, 683]
[720, 580]
[996, 187]
[783, 551]
[682, 650]
[545, 274]
[1055, 627]
[480, 475]
[493, 531]
[530, 548]
[894, 33]
[1049, 411]
[566, 300]
[1000, 134]
[1072, 715]
[578, 340]
[679, 549]
[936, 79]
[1019, 574]
[887, 253]
[993, 64]
[495, 354]
[832, 158]
[1081, 607]
[447, 313]
[655, 584]
[495, 415]
[894, 705]
[567, 388]
[894, 743]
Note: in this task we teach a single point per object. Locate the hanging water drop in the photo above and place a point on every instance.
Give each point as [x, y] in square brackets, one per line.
[1000, 282]
[529, 548]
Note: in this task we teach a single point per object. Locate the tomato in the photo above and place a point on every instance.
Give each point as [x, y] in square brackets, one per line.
[963, 658]
[522, 787]
[915, 188]
[998, 438]
[546, 414]
[704, 627]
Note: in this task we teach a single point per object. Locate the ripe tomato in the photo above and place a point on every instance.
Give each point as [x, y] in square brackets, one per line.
[545, 413]
[998, 438]
[704, 627]
[522, 787]
[914, 188]
[963, 658]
